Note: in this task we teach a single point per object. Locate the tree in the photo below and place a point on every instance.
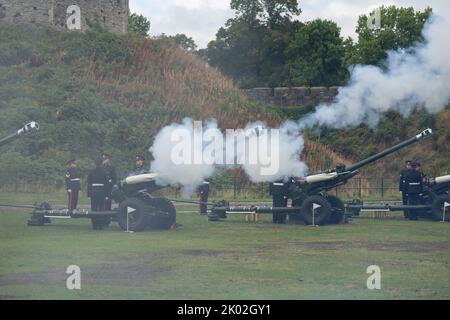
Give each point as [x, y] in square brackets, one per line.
[138, 24]
[400, 28]
[315, 55]
[270, 12]
[181, 40]
[237, 51]
[251, 46]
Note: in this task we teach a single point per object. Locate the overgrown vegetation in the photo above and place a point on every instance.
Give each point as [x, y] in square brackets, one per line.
[265, 44]
[98, 92]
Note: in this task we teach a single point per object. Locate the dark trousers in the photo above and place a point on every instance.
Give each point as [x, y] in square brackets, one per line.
[98, 203]
[108, 203]
[73, 199]
[413, 199]
[203, 205]
[405, 202]
[279, 201]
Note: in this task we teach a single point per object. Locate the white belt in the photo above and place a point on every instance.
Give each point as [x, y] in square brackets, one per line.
[98, 185]
[75, 179]
[278, 184]
[414, 183]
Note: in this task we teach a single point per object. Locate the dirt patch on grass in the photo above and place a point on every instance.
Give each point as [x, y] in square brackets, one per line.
[201, 252]
[139, 275]
[3, 297]
[419, 247]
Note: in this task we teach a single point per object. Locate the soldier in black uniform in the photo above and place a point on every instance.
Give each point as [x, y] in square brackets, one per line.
[424, 176]
[96, 190]
[278, 191]
[112, 179]
[413, 185]
[203, 191]
[402, 187]
[73, 183]
[139, 167]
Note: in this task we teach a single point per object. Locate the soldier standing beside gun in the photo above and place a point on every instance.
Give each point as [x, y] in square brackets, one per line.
[112, 179]
[203, 191]
[139, 168]
[278, 190]
[413, 183]
[73, 183]
[402, 187]
[424, 176]
[96, 190]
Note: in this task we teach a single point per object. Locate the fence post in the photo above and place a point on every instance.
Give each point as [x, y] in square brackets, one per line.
[234, 187]
[382, 187]
[360, 188]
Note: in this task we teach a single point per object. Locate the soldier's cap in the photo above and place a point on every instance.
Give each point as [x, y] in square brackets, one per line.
[414, 164]
[72, 161]
[139, 157]
[408, 161]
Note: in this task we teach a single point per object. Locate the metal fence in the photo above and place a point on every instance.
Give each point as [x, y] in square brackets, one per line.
[382, 188]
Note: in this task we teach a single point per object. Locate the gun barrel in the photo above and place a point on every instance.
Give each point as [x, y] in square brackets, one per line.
[442, 179]
[29, 127]
[420, 136]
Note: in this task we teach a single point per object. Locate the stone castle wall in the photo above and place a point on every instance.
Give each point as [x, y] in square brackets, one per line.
[295, 96]
[112, 14]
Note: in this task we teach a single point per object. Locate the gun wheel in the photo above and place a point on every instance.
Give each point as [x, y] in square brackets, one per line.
[317, 205]
[337, 214]
[162, 215]
[438, 207]
[132, 215]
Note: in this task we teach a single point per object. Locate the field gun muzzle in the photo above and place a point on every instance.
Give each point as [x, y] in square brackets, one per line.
[28, 128]
[332, 178]
[420, 136]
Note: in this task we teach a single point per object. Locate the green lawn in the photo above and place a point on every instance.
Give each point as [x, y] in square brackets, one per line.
[231, 259]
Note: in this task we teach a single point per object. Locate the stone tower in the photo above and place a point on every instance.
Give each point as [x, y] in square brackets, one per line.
[67, 14]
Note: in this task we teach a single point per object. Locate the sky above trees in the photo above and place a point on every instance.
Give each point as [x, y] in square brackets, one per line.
[200, 19]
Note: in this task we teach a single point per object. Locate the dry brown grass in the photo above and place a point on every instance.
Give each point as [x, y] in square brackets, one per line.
[180, 82]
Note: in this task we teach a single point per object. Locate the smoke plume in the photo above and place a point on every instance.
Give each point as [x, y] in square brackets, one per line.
[417, 77]
[188, 153]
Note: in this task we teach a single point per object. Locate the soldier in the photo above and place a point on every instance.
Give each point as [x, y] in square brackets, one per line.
[112, 179]
[402, 187]
[73, 183]
[422, 174]
[278, 191]
[97, 182]
[413, 185]
[139, 168]
[203, 191]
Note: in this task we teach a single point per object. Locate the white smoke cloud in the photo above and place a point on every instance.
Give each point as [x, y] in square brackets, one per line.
[186, 154]
[187, 175]
[417, 77]
[283, 152]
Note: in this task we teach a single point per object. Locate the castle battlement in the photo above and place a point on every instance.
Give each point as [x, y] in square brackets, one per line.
[112, 14]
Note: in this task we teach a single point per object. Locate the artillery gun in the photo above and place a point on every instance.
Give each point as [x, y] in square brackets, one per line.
[310, 201]
[434, 201]
[138, 209]
[28, 128]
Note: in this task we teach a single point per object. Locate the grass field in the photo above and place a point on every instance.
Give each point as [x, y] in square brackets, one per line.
[231, 259]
